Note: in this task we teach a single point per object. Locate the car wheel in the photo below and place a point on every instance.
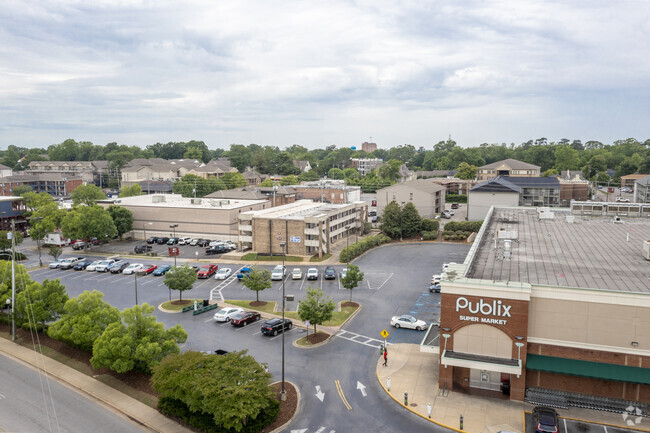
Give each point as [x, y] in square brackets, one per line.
[289, 325]
[274, 333]
[397, 325]
[418, 328]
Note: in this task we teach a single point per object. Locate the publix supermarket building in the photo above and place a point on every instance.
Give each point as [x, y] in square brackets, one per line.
[552, 306]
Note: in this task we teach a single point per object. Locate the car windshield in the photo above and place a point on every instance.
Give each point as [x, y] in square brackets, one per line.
[547, 421]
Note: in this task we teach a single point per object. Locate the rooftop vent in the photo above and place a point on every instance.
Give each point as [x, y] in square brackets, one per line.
[570, 219]
[548, 215]
[618, 220]
[158, 199]
[646, 250]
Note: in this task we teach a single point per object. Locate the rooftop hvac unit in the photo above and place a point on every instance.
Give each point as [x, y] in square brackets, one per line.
[546, 215]
[646, 250]
[507, 249]
[196, 201]
[507, 234]
[570, 219]
[618, 220]
[158, 199]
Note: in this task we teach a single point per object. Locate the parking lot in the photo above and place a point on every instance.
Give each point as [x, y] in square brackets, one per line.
[568, 425]
[127, 246]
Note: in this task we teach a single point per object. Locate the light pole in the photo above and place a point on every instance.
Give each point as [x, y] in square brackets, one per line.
[38, 239]
[283, 394]
[173, 227]
[347, 248]
[8, 302]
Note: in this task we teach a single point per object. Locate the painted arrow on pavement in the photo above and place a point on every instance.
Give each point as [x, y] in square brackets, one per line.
[320, 394]
[362, 387]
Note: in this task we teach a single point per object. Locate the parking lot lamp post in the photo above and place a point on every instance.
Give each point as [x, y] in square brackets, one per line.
[347, 248]
[173, 227]
[283, 394]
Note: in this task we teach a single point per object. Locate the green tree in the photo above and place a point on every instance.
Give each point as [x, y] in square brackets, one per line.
[390, 220]
[40, 304]
[130, 191]
[352, 278]
[240, 156]
[335, 173]
[122, 218]
[308, 176]
[195, 186]
[233, 389]
[257, 279]
[87, 195]
[21, 189]
[86, 222]
[137, 341]
[316, 307]
[84, 319]
[55, 251]
[180, 278]
[267, 182]
[5, 241]
[21, 276]
[233, 180]
[290, 180]
[466, 171]
[566, 158]
[411, 223]
[35, 201]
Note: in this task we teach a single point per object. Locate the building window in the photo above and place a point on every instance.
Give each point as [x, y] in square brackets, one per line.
[411, 196]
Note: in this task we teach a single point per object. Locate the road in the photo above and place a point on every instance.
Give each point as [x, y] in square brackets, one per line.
[31, 402]
[396, 282]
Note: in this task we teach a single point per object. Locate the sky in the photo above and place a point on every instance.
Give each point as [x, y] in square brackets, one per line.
[338, 72]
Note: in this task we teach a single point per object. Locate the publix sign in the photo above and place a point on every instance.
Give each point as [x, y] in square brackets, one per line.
[496, 309]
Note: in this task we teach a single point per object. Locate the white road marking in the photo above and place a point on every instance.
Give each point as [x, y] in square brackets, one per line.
[302, 282]
[320, 430]
[355, 338]
[361, 387]
[224, 283]
[605, 427]
[320, 395]
[382, 284]
[565, 430]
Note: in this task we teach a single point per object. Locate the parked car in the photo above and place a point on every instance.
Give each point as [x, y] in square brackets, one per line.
[436, 279]
[162, 270]
[217, 249]
[296, 274]
[434, 288]
[69, 262]
[223, 273]
[545, 420]
[207, 271]
[162, 241]
[81, 265]
[79, 245]
[149, 269]
[118, 267]
[152, 240]
[278, 273]
[133, 268]
[330, 273]
[344, 272]
[172, 241]
[142, 248]
[93, 266]
[194, 241]
[454, 206]
[244, 318]
[184, 241]
[273, 326]
[215, 243]
[225, 314]
[312, 274]
[103, 265]
[203, 242]
[622, 200]
[408, 322]
[231, 245]
[243, 272]
[55, 264]
[445, 215]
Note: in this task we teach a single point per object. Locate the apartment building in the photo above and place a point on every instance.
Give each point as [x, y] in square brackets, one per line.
[507, 167]
[366, 165]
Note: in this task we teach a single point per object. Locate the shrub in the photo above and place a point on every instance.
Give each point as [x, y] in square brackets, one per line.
[456, 198]
[358, 248]
[7, 256]
[429, 235]
[471, 226]
[366, 228]
[430, 225]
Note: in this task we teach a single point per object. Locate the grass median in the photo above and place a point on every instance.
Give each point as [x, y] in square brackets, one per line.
[261, 258]
[338, 317]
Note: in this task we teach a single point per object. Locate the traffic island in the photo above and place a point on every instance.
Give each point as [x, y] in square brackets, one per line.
[312, 340]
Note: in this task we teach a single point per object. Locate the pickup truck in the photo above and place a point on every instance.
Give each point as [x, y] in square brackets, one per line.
[69, 262]
[243, 272]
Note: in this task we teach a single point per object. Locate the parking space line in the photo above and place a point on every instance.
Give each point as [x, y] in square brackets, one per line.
[565, 430]
[280, 334]
[302, 282]
[385, 281]
[605, 427]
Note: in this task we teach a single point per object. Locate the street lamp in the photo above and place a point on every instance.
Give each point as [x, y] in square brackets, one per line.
[38, 239]
[283, 394]
[173, 227]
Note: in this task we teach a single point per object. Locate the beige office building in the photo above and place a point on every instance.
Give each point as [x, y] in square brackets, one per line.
[426, 195]
[307, 227]
[196, 217]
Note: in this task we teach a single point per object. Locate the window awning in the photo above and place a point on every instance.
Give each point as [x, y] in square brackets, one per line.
[596, 370]
[481, 362]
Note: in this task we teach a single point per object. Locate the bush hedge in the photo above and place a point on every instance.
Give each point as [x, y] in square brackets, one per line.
[470, 226]
[455, 235]
[429, 226]
[6, 255]
[205, 421]
[358, 248]
[430, 235]
[456, 198]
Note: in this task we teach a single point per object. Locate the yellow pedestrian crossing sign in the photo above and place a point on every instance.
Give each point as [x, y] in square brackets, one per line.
[384, 333]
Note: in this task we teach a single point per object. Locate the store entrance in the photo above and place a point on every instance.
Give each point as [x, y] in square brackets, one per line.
[489, 380]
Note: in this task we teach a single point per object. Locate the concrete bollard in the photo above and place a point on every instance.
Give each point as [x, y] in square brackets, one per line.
[406, 398]
[461, 421]
[388, 383]
[429, 410]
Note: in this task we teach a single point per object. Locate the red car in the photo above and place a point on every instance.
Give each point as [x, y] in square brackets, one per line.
[147, 269]
[243, 319]
[207, 271]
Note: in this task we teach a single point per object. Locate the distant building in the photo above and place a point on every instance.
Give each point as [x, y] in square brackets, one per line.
[277, 196]
[68, 169]
[642, 190]
[453, 185]
[5, 171]
[328, 191]
[307, 227]
[573, 187]
[427, 197]
[303, 166]
[12, 208]
[507, 167]
[435, 173]
[368, 147]
[366, 165]
[55, 184]
[628, 181]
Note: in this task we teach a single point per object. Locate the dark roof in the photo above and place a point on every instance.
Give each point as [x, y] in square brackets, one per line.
[155, 186]
[498, 184]
[533, 182]
[643, 180]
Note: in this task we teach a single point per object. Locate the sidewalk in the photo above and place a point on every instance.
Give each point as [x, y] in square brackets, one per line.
[416, 372]
[150, 418]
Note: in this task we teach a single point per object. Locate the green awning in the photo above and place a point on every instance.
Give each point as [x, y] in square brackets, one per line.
[596, 370]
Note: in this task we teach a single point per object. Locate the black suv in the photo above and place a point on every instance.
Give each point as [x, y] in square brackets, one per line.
[162, 241]
[217, 249]
[152, 240]
[203, 242]
[273, 326]
[545, 420]
[141, 249]
[330, 273]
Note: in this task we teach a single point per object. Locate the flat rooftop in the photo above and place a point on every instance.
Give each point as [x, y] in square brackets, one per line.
[178, 201]
[298, 210]
[590, 252]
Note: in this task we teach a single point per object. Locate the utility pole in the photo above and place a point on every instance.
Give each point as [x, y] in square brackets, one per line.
[173, 227]
[13, 280]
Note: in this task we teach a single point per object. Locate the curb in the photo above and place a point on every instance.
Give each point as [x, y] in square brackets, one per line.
[412, 411]
[295, 414]
[313, 346]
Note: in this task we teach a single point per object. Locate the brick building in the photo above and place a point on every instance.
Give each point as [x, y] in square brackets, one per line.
[55, 184]
[368, 147]
[542, 309]
[307, 227]
[325, 191]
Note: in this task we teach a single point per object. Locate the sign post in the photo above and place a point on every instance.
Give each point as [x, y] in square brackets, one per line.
[384, 334]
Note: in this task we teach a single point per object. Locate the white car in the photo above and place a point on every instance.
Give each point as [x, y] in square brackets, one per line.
[408, 322]
[296, 274]
[222, 273]
[133, 268]
[436, 279]
[104, 265]
[55, 264]
[215, 243]
[93, 266]
[278, 273]
[344, 272]
[225, 314]
[184, 241]
[312, 274]
[446, 266]
[193, 242]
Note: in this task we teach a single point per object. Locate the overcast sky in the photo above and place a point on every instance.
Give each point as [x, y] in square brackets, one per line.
[321, 73]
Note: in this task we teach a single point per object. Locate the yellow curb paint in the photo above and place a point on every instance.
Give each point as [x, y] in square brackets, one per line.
[416, 413]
